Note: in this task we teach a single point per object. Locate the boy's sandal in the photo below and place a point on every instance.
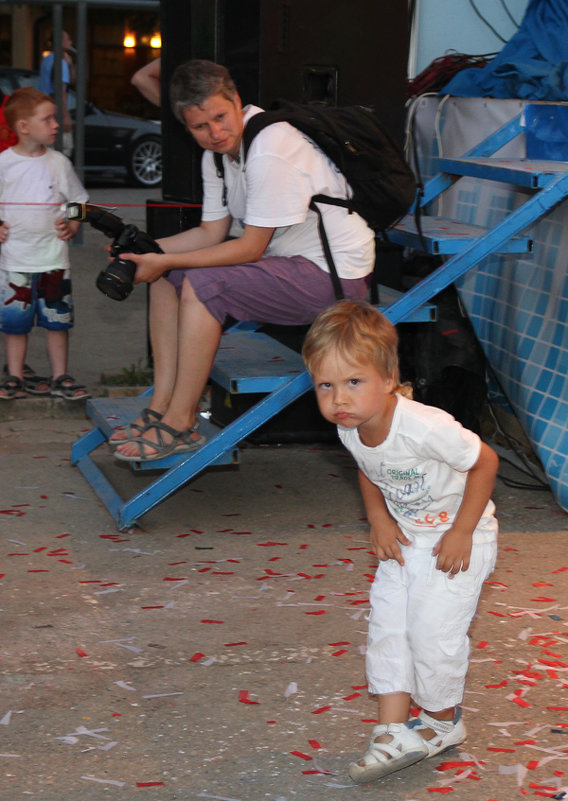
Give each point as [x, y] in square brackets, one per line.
[28, 372]
[147, 416]
[178, 442]
[37, 385]
[64, 386]
[447, 733]
[405, 748]
[12, 388]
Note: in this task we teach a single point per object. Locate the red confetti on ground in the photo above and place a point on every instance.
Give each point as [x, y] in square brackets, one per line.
[212, 621]
[482, 644]
[454, 765]
[320, 710]
[244, 698]
[197, 656]
[504, 750]
[301, 756]
[320, 612]
[314, 743]
[80, 652]
[232, 644]
[340, 652]
[151, 607]
[440, 789]
[149, 784]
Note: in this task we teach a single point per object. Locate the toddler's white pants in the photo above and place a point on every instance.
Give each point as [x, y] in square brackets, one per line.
[418, 626]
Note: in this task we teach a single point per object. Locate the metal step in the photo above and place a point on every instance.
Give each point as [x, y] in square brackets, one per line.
[522, 172]
[254, 362]
[110, 413]
[442, 236]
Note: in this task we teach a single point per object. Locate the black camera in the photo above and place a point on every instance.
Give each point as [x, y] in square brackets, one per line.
[117, 280]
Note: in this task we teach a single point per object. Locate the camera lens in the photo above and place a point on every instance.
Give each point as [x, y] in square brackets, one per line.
[116, 280]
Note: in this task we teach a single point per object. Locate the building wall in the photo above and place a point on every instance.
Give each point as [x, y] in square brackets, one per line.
[443, 25]
[25, 29]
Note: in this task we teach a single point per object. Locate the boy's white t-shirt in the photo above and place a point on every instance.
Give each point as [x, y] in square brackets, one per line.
[273, 189]
[421, 470]
[32, 190]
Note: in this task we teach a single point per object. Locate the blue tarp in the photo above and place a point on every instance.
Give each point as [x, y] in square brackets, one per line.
[533, 65]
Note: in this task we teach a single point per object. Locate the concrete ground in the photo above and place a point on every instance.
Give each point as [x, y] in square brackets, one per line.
[217, 651]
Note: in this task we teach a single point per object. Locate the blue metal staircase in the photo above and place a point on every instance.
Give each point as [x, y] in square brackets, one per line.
[252, 362]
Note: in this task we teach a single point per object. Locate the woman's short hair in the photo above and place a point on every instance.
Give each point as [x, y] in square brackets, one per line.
[195, 81]
[360, 333]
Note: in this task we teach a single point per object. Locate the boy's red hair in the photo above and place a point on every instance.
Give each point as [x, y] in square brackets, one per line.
[22, 104]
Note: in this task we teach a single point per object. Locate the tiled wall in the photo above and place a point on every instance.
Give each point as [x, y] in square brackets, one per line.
[518, 305]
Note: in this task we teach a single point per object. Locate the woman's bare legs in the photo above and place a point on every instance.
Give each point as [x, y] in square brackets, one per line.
[197, 338]
[164, 306]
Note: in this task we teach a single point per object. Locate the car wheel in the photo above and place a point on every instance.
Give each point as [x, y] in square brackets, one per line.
[145, 161]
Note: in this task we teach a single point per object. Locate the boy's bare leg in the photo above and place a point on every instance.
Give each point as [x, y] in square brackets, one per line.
[58, 351]
[16, 349]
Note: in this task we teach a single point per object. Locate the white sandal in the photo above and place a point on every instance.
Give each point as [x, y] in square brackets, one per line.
[405, 748]
[447, 733]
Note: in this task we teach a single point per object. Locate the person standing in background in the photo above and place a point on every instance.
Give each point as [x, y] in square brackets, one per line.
[147, 81]
[67, 77]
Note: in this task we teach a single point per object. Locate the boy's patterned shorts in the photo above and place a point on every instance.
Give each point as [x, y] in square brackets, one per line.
[43, 298]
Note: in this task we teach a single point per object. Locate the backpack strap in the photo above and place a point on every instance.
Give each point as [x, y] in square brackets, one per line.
[337, 288]
[220, 167]
[252, 128]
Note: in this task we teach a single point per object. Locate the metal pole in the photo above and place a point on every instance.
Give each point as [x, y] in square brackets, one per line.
[57, 70]
[80, 83]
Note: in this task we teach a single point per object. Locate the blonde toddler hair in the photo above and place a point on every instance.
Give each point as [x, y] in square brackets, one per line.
[359, 332]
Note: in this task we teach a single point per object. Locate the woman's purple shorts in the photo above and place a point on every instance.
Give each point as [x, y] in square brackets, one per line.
[282, 290]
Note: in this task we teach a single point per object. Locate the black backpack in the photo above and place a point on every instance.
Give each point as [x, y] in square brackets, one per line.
[371, 161]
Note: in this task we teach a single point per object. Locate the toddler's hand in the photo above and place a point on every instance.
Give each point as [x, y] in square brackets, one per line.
[385, 541]
[453, 550]
[4, 228]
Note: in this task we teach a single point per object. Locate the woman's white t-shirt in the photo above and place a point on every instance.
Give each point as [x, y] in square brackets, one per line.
[273, 189]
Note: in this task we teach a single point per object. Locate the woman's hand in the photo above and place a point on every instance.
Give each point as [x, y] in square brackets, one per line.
[4, 228]
[149, 266]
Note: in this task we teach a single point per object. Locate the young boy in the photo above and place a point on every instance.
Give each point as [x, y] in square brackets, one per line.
[426, 484]
[34, 255]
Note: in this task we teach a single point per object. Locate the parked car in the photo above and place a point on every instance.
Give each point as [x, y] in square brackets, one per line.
[114, 143]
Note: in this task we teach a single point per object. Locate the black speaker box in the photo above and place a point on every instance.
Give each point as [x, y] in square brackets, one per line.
[342, 52]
